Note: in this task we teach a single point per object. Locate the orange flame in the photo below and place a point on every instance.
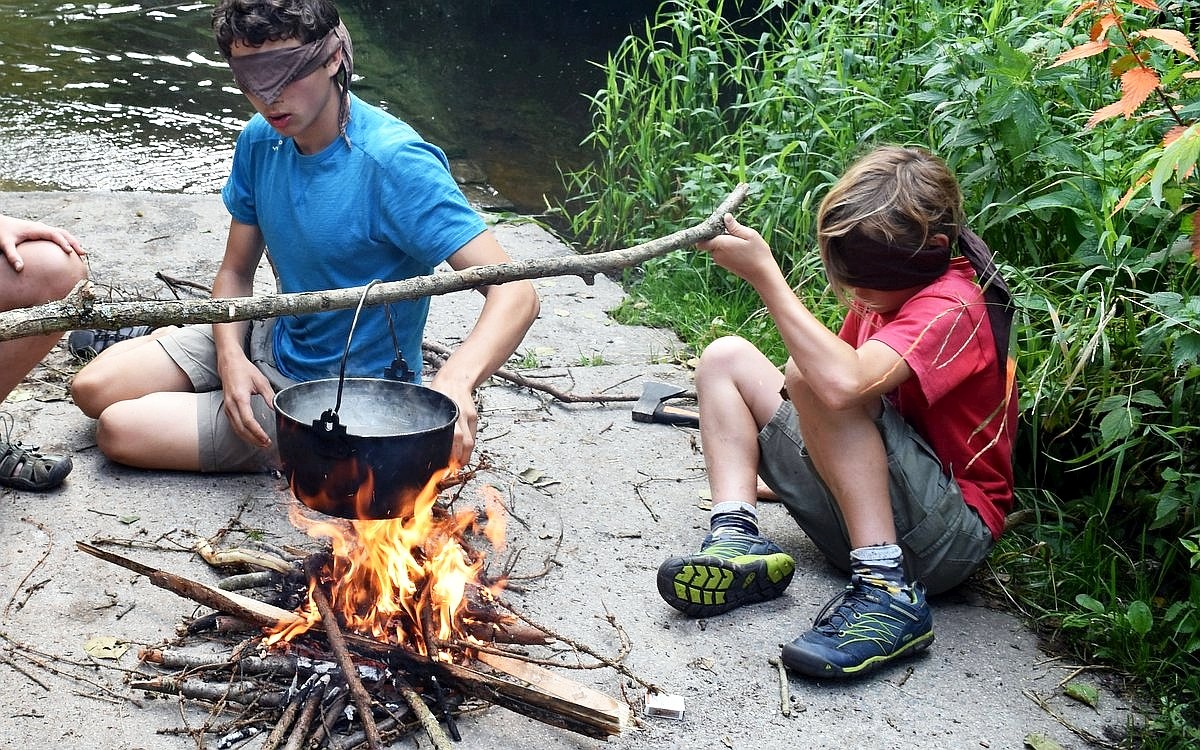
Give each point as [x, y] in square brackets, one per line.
[401, 580]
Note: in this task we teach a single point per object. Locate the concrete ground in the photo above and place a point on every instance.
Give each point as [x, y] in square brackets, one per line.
[622, 496]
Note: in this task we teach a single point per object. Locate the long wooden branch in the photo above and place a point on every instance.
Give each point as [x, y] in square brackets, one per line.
[81, 309]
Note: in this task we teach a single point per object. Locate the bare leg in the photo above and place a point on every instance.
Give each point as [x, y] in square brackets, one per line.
[155, 431]
[848, 452]
[144, 404]
[49, 273]
[738, 390]
[127, 370]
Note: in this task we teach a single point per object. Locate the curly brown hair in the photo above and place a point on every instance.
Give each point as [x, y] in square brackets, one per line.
[897, 196]
[254, 22]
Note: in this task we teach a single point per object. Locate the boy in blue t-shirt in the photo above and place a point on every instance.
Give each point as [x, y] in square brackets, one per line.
[337, 193]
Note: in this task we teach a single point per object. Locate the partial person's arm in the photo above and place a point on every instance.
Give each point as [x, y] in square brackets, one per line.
[240, 379]
[840, 375]
[14, 231]
[508, 311]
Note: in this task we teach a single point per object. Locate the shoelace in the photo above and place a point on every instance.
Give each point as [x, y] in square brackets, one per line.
[844, 607]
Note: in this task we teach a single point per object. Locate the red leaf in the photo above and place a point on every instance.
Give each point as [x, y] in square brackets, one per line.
[1172, 135]
[1147, 4]
[1103, 24]
[1173, 39]
[1083, 7]
[1133, 190]
[1105, 113]
[1136, 84]
[1087, 49]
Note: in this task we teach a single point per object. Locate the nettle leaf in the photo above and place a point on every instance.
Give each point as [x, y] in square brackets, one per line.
[1185, 350]
[1118, 424]
[1165, 512]
[1082, 692]
[1139, 617]
[1147, 398]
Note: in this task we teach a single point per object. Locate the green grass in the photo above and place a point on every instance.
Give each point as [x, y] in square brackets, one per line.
[784, 95]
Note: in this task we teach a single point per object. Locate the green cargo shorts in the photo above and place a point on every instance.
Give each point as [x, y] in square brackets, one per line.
[193, 349]
[944, 539]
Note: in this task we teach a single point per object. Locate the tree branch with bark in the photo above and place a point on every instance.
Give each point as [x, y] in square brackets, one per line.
[82, 309]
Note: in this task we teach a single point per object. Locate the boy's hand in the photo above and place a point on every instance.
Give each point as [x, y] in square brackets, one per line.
[15, 231]
[465, 427]
[241, 381]
[741, 251]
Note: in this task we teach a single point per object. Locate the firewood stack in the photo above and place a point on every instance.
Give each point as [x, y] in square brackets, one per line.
[333, 689]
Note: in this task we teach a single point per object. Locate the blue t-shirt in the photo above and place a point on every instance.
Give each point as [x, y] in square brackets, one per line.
[385, 207]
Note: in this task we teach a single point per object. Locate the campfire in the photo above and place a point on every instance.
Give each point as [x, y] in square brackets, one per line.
[391, 627]
[405, 580]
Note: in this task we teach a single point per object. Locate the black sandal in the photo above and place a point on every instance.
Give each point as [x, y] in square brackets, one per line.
[23, 468]
[85, 344]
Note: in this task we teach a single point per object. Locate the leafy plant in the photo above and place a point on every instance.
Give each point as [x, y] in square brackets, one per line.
[1143, 73]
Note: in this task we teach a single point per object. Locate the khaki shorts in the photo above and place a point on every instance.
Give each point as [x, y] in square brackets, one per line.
[944, 540]
[193, 349]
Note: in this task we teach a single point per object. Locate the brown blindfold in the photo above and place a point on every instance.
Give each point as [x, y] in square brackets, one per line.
[265, 74]
[860, 261]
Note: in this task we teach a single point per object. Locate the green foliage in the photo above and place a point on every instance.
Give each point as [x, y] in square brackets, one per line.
[783, 95]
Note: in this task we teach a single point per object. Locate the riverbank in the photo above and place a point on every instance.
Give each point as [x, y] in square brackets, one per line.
[596, 502]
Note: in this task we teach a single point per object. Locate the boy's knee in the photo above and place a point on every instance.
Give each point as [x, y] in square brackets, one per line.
[114, 438]
[87, 391]
[724, 353]
[54, 271]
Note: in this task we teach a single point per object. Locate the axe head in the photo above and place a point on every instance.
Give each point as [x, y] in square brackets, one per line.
[650, 407]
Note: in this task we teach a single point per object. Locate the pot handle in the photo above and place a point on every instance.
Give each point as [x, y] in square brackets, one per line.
[328, 422]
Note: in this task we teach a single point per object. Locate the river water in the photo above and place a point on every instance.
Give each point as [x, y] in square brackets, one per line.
[135, 96]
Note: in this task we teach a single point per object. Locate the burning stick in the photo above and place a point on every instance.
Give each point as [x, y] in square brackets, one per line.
[334, 635]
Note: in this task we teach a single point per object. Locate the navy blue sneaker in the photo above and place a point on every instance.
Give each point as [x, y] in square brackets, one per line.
[732, 568]
[862, 628]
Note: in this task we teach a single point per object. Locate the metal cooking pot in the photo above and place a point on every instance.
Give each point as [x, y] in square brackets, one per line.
[372, 460]
[371, 454]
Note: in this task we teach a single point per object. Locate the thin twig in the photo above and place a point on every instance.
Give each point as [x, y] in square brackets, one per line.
[38, 564]
[785, 703]
[333, 633]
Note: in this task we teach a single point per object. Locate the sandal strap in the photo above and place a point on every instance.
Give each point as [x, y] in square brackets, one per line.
[25, 468]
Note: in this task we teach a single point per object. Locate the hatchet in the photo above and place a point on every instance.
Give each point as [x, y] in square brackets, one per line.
[652, 406]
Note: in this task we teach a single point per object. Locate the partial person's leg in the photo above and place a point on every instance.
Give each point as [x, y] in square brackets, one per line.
[188, 431]
[880, 616]
[128, 370]
[153, 431]
[738, 390]
[49, 274]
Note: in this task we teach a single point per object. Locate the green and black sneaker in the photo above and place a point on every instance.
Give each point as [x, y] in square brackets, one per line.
[732, 568]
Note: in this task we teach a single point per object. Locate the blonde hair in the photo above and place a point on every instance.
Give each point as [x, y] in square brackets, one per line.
[897, 196]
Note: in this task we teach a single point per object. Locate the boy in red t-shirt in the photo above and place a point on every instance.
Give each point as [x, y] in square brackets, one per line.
[889, 442]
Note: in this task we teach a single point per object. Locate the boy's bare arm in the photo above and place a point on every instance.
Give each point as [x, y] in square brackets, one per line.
[840, 374]
[240, 379]
[508, 311]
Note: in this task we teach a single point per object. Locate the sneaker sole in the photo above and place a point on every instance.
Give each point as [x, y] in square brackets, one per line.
[701, 586]
[812, 666]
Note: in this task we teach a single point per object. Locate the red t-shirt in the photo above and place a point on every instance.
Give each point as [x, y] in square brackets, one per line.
[956, 399]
